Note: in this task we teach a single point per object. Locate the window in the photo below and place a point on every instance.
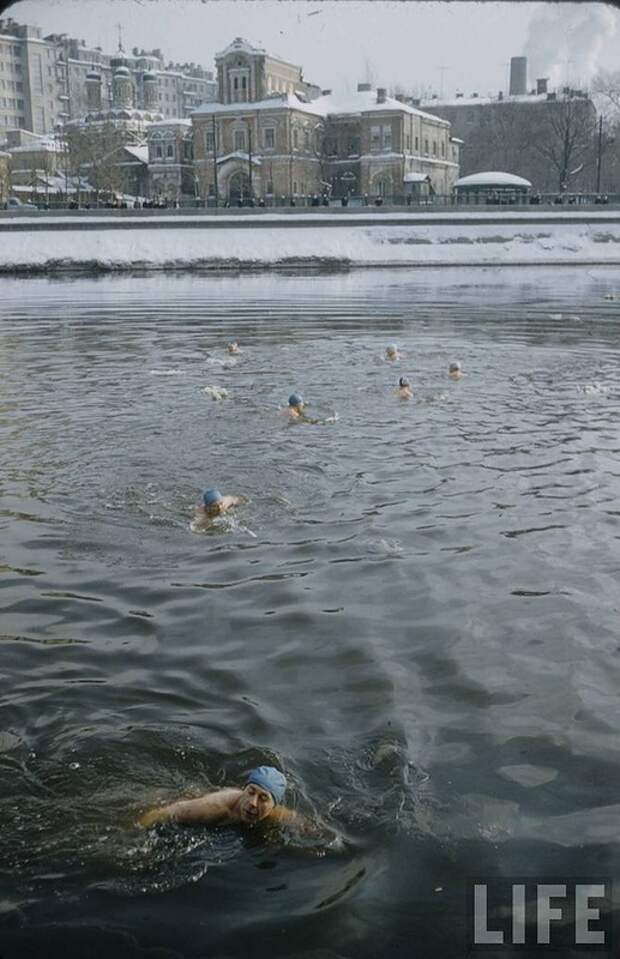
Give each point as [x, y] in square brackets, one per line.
[158, 150]
[244, 83]
[170, 150]
[425, 146]
[236, 83]
[269, 187]
[239, 139]
[294, 186]
[306, 140]
[434, 148]
[353, 146]
[443, 149]
[295, 139]
[269, 138]
[380, 138]
[408, 142]
[212, 189]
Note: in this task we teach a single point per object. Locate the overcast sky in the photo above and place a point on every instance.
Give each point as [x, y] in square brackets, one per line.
[421, 46]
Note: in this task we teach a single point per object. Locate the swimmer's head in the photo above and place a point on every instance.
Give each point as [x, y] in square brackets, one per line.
[392, 351]
[296, 400]
[404, 383]
[265, 788]
[455, 367]
[233, 347]
[211, 499]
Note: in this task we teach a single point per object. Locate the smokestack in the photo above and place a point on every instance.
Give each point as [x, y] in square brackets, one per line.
[364, 87]
[381, 94]
[518, 76]
[541, 85]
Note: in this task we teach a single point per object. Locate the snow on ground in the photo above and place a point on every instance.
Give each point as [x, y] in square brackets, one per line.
[448, 240]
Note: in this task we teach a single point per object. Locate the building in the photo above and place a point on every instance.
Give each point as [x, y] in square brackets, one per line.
[539, 134]
[43, 79]
[31, 88]
[271, 137]
[492, 187]
[380, 146]
[5, 177]
[170, 159]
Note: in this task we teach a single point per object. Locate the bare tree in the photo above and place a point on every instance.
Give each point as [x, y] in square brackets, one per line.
[606, 85]
[94, 154]
[564, 137]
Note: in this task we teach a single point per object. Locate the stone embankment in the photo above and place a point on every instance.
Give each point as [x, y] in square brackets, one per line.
[196, 240]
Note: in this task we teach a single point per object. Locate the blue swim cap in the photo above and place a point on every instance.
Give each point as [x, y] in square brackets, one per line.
[295, 399]
[211, 496]
[271, 779]
[403, 382]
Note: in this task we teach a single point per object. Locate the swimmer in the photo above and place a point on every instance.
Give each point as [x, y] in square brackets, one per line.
[455, 371]
[233, 347]
[214, 504]
[404, 389]
[295, 409]
[216, 392]
[391, 352]
[260, 801]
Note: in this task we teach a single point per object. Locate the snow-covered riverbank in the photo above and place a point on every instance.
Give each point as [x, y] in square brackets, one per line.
[270, 241]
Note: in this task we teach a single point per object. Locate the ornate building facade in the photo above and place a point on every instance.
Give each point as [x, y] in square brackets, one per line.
[273, 136]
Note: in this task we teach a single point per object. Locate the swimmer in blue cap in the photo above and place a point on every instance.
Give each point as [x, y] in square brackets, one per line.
[259, 801]
[455, 371]
[213, 504]
[404, 389]
[295, 408]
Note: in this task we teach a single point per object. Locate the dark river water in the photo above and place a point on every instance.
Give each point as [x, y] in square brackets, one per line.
[415, 613]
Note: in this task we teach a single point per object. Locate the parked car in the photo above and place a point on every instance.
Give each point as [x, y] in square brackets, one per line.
[14, 203]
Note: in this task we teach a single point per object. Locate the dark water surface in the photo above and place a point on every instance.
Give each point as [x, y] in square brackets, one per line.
[415, 613]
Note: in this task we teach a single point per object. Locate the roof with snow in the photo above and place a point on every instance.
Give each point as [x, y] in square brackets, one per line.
[140, 153]
[416, 178]
[363, 101]
[493, 179]
[239, 45]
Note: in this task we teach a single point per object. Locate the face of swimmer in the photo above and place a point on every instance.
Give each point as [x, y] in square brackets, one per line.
[255, 803]
[391, 352]
[233, 347]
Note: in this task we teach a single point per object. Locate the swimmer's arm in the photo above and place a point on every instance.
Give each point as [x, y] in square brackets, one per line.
[228, 501]
[206, 809]
[315, 829]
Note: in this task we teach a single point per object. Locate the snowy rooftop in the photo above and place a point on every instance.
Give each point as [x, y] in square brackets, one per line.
[172, 122]
[364, 101]
[140, 153]
[493, 178]
[49, 146]
[477, 101]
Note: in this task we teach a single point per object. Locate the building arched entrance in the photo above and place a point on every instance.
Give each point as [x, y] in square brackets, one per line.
[239, 187]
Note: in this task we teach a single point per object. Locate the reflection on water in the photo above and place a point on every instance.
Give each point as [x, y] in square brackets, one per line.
[414, 611]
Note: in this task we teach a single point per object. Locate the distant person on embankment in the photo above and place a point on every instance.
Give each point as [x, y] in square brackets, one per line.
[260, 801]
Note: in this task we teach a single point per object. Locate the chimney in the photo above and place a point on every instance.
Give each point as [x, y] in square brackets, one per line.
[400, 97]
[500, 95]
[459, 96]
[474, 96]
[326, 93]
[364, 87]
[541, 85]
[518, 76]
[415, 102]
[381, 94]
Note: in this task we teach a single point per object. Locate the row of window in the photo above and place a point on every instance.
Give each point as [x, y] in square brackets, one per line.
[11, 104]
[268, 139]
[7, 49]
[11, 121]
[12, 85]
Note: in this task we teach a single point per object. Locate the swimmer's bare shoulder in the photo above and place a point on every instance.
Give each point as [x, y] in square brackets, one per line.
[215, 807]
